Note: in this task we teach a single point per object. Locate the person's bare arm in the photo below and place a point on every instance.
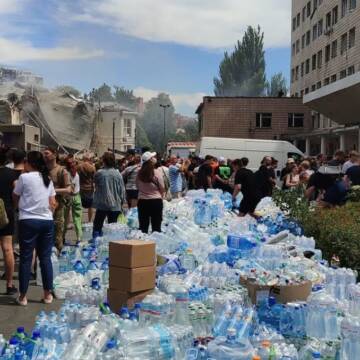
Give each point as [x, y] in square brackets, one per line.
[310, 192]
[65, 190]
[52, 203]
[209, 182]
[237, 189]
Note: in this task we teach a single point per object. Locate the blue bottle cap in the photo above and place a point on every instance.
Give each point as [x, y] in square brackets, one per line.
[272, 301]
[132, 316]
[111, 344]
[124, 310]
[36, 334]
[137, 306]
[20, 329]
[316, 355]
[13, 341]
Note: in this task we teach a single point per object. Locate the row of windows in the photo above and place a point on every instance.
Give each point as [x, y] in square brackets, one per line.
[347, 41]
[295, 120]
[331, 17]
[318, 29]
[343, 74]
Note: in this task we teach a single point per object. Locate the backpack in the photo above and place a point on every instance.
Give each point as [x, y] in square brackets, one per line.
[4, 220]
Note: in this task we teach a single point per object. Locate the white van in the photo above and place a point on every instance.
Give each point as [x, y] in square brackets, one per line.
[255, 150]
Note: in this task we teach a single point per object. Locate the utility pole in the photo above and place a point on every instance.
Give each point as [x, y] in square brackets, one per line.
[164, 135]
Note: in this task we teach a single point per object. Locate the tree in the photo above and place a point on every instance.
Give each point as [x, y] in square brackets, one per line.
[153, 121]
[192, 131]
[68, 89]
[277, 85]
[125, 97]
[103, 93]
[142, 138]
[242, 73]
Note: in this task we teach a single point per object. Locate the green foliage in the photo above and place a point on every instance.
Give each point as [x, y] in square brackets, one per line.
[335, 230]
[103, 93]
[242, 73]
[153, 121]
[276, 85]
[354, 194]
[142, 139]
[125, 97]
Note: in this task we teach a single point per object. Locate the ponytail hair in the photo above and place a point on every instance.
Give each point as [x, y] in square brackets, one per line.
[36, 161]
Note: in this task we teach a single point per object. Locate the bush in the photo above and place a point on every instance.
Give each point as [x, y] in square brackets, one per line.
[336, 230]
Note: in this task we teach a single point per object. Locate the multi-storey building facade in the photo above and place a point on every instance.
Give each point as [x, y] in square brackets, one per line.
[325, 65]
[265, 118]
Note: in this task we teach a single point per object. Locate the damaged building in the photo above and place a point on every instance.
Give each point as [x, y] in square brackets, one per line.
[39, 116]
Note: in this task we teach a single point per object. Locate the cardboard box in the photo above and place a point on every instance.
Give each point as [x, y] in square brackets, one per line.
[117, 299]
[282, 294]
[132, 253]
[132, 280]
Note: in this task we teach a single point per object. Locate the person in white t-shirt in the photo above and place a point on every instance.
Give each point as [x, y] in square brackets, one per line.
[34, 196]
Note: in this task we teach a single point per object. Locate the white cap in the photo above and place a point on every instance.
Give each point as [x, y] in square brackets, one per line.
[329, 170]
[147, 156]
[221, 159]
[290, 160]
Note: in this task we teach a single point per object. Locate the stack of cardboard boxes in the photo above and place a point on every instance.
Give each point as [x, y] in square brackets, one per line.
[132, 272]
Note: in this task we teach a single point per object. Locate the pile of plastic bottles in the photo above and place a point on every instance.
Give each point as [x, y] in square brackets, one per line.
[199, 309]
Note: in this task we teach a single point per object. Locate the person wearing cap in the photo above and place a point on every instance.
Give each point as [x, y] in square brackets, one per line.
[109, 195]
[150, 184]
[286, 170]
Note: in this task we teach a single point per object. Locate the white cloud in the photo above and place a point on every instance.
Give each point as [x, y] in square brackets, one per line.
[210, 24]
[10, 6]
[17, 50]
[187, 102]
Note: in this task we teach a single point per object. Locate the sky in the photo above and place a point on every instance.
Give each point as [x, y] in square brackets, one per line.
[150, 46]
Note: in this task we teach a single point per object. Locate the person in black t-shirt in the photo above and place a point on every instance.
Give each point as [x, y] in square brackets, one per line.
[7, 182]
[353, 175]
[204, 175]
[245, 182]
[265, 177]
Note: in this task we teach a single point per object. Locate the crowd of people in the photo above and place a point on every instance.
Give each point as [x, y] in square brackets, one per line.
[41, 191]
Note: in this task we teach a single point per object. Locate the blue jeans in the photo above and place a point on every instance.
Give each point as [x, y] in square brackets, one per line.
[36, 235]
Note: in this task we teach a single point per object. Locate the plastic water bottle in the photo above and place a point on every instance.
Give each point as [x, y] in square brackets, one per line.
[111, 352]
[188, 260]
[105, 270]
[223, 322]
[32, 346]
[79, 267]
[63, 262]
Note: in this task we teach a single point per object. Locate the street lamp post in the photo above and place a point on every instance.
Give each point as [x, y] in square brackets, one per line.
[164, 107]
[113, 137]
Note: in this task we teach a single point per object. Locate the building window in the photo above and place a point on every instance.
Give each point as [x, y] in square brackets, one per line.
[344, 6]
[313, 87]
[313, 62]
[263, 120]
[352, 5]
[319, 59]
[343, 74]
[306, 90]
[307, 66]
[315, 32]
[36, 137]
[302, 69]
[293, 50]
[298, 20]
[303, 13]
[320, 27]
[297, 73]
[297, 46]
[301, 93]
[327, 81]
[127, 127]
[314, 4]
[333, 78]
[318, 85]
[351, 70]
[343, 43]
[294, 24]
[308, 38]
[308, 9]
[335, 15]
[292, 75]
[328, 20]
[327, 53]
[303, 41]
[351, 38]
[295, 120]
[334, 49]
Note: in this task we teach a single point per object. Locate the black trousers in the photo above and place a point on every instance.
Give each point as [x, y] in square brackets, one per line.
[100, 217]
[150, 210]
